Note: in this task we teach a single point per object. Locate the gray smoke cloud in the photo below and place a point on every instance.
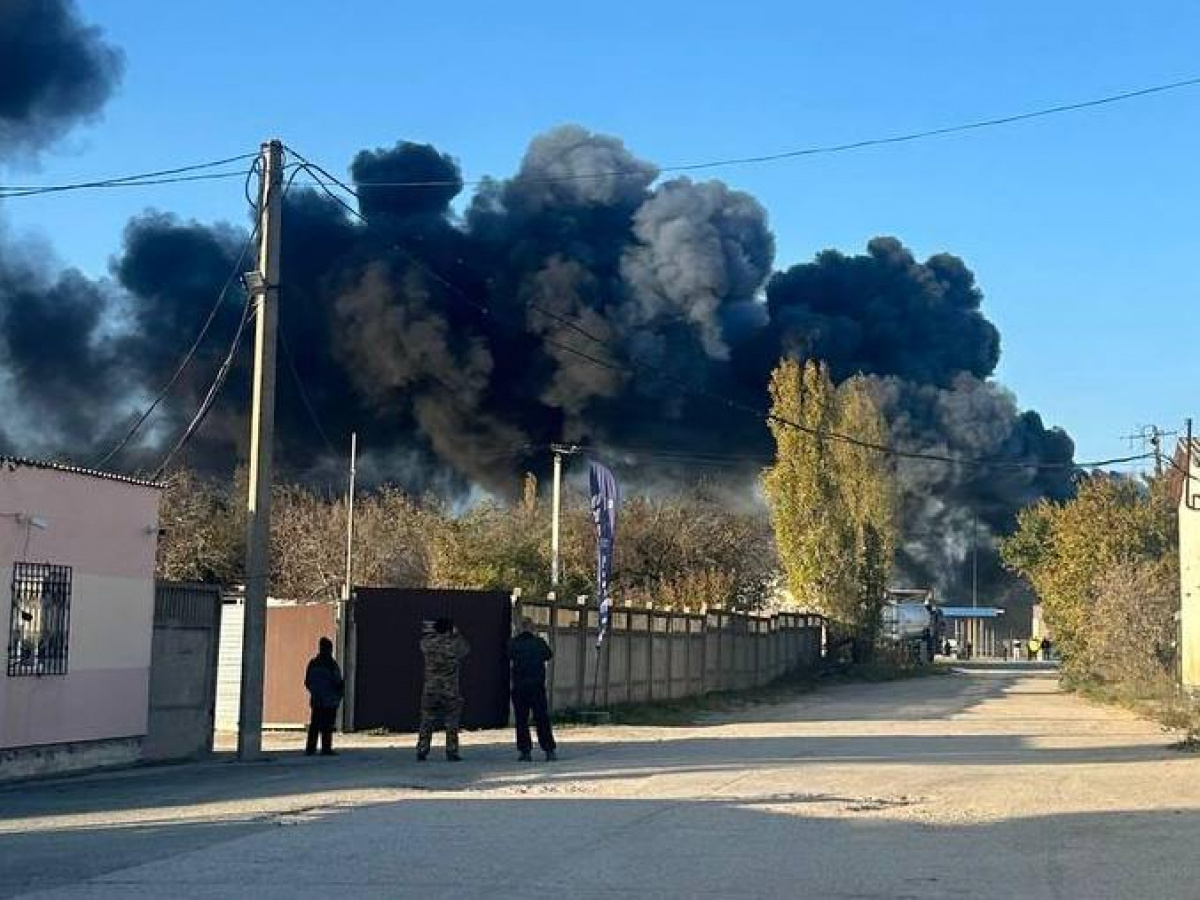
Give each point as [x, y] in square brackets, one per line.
[701, 247]
[571, 166]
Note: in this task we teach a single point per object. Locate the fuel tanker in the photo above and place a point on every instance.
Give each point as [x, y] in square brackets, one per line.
[912, 621]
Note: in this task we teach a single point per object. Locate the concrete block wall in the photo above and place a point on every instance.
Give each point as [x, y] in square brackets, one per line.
[651, 654]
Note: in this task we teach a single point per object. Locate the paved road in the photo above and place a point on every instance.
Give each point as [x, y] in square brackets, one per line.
[985, 783]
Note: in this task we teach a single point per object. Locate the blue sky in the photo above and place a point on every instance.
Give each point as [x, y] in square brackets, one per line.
[1083, 230]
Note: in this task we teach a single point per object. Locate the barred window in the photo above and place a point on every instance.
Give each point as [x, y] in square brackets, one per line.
[41, 619]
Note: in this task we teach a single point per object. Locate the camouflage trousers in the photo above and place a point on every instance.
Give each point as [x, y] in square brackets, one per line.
[439, 709]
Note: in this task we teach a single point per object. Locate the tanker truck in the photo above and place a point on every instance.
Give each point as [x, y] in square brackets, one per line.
[911, 621]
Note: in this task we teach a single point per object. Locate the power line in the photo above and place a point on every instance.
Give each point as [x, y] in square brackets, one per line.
[167, 176]
[762, 415]
[187, 358]
[195, 347]
[816, 150]
[161, 176]
[304, 398]
[214, 390]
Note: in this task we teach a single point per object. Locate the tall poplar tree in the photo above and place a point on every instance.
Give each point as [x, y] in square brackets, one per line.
[832, 501]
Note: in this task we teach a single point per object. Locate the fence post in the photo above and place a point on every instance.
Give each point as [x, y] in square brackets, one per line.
[581, 663]
[606, 662]
[703, 650]
[717, 668]
[628, 655]
[553, 645]
[687, 654]
[670, 653]
[649, 652]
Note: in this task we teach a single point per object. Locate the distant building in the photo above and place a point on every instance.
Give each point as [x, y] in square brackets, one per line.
[79, 547]
[1185, 474]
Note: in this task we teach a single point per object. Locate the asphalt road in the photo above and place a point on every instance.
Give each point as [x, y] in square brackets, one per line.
[984, 783]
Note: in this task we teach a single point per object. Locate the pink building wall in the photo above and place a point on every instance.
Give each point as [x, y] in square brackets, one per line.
[107, 531]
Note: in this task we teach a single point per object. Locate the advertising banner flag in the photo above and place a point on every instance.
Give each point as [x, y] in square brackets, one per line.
[605, 498]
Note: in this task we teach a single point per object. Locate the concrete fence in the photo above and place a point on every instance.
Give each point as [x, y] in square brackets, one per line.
[652, 654]
[183, 671]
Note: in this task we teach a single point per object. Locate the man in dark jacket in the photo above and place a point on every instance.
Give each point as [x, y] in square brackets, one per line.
[529, 655]
[324, 682]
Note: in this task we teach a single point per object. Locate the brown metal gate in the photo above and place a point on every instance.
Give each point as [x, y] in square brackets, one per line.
[388, 666]
[292, 635]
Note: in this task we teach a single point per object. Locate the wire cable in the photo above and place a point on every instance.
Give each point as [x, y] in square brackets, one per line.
[214, 390]
[187, 358]
[304, 398]
[204, 328]
[210, 397]
[161, 176]
[763, 415]
[820, 149]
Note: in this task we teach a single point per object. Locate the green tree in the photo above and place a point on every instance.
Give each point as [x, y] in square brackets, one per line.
[867, 482]
[1070, 551]
[810, 522]
[832, 501]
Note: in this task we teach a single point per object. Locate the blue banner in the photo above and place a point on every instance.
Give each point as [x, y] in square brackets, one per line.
[605, 498]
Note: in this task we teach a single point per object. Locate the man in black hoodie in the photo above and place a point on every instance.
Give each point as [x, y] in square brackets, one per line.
[529, 655]
[324, 682]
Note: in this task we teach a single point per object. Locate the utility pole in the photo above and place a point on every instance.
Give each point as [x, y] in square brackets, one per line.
[264, 288]
[1151, 436]
[345, 715]
[975, 561]
[349, 584]
[559, 451]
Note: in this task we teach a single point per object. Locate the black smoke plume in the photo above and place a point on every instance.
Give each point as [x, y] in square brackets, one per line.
[54, 72]
[59, 375]
[583, 299]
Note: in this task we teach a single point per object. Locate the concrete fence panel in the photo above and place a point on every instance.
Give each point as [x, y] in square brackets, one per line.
[652, 654]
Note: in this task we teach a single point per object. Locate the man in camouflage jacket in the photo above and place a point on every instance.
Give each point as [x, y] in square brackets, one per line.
[441, 702]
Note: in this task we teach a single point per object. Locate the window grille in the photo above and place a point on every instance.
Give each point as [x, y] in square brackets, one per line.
[41, 619]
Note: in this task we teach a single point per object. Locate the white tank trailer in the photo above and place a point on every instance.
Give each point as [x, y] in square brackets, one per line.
[911, 620]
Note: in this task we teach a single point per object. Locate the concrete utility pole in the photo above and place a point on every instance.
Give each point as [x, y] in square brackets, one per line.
[345, 714]
[559, 451]
[349, 585]
[264, 287]
[975, 561]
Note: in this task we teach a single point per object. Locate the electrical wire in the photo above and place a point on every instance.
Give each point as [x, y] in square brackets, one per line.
[168, 176]
[214, 390]
[187, 358]
[304, 398]
[762, 415]
[204, 328]
[820, 149]
[161, 176]
[210, 397]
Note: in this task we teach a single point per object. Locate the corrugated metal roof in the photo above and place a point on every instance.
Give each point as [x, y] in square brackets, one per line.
[15, 462]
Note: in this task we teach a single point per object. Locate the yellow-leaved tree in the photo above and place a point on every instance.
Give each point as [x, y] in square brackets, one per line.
[1116, 529]
[832, 500]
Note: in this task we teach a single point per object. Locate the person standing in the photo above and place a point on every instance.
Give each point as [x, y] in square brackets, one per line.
[529, 654]
[323, 679]
[441, 702]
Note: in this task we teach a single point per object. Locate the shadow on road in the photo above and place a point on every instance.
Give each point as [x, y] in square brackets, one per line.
[638, 753]
[479, 846]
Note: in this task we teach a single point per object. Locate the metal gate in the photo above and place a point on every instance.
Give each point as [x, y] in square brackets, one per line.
[183, 671]
[389, 668]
